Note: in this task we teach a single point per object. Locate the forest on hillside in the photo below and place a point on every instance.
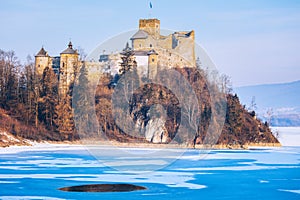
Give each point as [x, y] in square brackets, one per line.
[31, 101]
[37, 111]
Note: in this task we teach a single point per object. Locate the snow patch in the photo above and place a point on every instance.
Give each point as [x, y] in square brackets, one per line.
[293, 191]
[171, 179]
[7, 137]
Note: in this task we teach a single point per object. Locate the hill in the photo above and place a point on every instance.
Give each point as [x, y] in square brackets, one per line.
[241, 127]
[282, 99]
[16, 132]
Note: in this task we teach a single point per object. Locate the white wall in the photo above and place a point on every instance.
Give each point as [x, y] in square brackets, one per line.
[142, 65]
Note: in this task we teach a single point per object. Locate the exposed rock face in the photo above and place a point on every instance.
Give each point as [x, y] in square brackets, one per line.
[158, 115]
[155, 131]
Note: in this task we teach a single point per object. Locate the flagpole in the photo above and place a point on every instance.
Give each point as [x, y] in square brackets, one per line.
[150, 9]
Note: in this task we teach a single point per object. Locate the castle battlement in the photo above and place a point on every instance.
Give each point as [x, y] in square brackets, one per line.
[173, 50]
[152, 52]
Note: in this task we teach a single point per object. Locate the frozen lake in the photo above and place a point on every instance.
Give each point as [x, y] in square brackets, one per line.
[288, 136]
[38, 172]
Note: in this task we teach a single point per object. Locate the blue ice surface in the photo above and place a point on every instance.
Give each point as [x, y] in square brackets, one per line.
[221, 174]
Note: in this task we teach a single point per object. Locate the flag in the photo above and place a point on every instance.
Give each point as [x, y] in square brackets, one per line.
[150, 4]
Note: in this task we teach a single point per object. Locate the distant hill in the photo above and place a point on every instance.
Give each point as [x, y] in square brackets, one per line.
[283, 99]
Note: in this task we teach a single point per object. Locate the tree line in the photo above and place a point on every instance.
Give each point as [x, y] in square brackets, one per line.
[34, 99]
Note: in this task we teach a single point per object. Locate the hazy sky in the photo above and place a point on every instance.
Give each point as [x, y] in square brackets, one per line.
[254, 42]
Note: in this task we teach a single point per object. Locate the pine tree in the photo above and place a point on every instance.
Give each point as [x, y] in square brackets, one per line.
[234, 116]
[10, 80]
[128, 62]
[64, 121]
[30, 93]
[131, 79]
[22, 96]
[22, 89]
[49, 98]
[83, 105]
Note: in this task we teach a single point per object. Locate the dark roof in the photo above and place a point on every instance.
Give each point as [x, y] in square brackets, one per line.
[69, 50]
[140, 35]
[140, 53]
[151, 52]
[183, 33]
[42, 52]
[145, 53]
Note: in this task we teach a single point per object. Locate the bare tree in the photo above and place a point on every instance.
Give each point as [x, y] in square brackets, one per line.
[82, 53]
[269, 115]
[226, 84]
[253, 105]
[277, 134]
[192, 114]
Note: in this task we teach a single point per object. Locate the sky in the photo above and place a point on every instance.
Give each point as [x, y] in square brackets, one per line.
[253, 42]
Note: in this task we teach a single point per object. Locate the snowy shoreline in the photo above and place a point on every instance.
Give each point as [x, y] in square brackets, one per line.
[40, 147]
[289, 136]
[45, 146]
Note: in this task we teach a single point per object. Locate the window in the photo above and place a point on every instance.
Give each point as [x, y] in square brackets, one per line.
[150, 45]
[153, 59]
[140, 45]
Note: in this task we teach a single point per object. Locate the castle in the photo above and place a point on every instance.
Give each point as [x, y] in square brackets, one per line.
[152, 52]
[66, 66]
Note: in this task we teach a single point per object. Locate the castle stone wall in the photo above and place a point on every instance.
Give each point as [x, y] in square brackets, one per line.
[41, 62]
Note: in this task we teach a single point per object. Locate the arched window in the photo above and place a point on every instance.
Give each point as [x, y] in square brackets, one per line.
[150, 45]
[153, 59]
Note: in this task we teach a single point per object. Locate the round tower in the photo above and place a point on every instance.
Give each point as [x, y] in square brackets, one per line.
[69, 67]
[42, 60]
[152, 64]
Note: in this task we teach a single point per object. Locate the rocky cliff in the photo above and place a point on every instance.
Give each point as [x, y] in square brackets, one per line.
[156, 115]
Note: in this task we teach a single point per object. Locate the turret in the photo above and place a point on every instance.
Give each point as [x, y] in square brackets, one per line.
[69, 67]
[152, 64]
[42, 60]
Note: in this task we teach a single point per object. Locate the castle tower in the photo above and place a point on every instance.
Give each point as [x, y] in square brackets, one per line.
[69, 67]
[42, 60]
[152, 64]
[151, 26]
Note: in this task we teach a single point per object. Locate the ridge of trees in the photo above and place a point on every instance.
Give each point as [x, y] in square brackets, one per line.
[34, 100]
[43, 114]
[240, 127]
